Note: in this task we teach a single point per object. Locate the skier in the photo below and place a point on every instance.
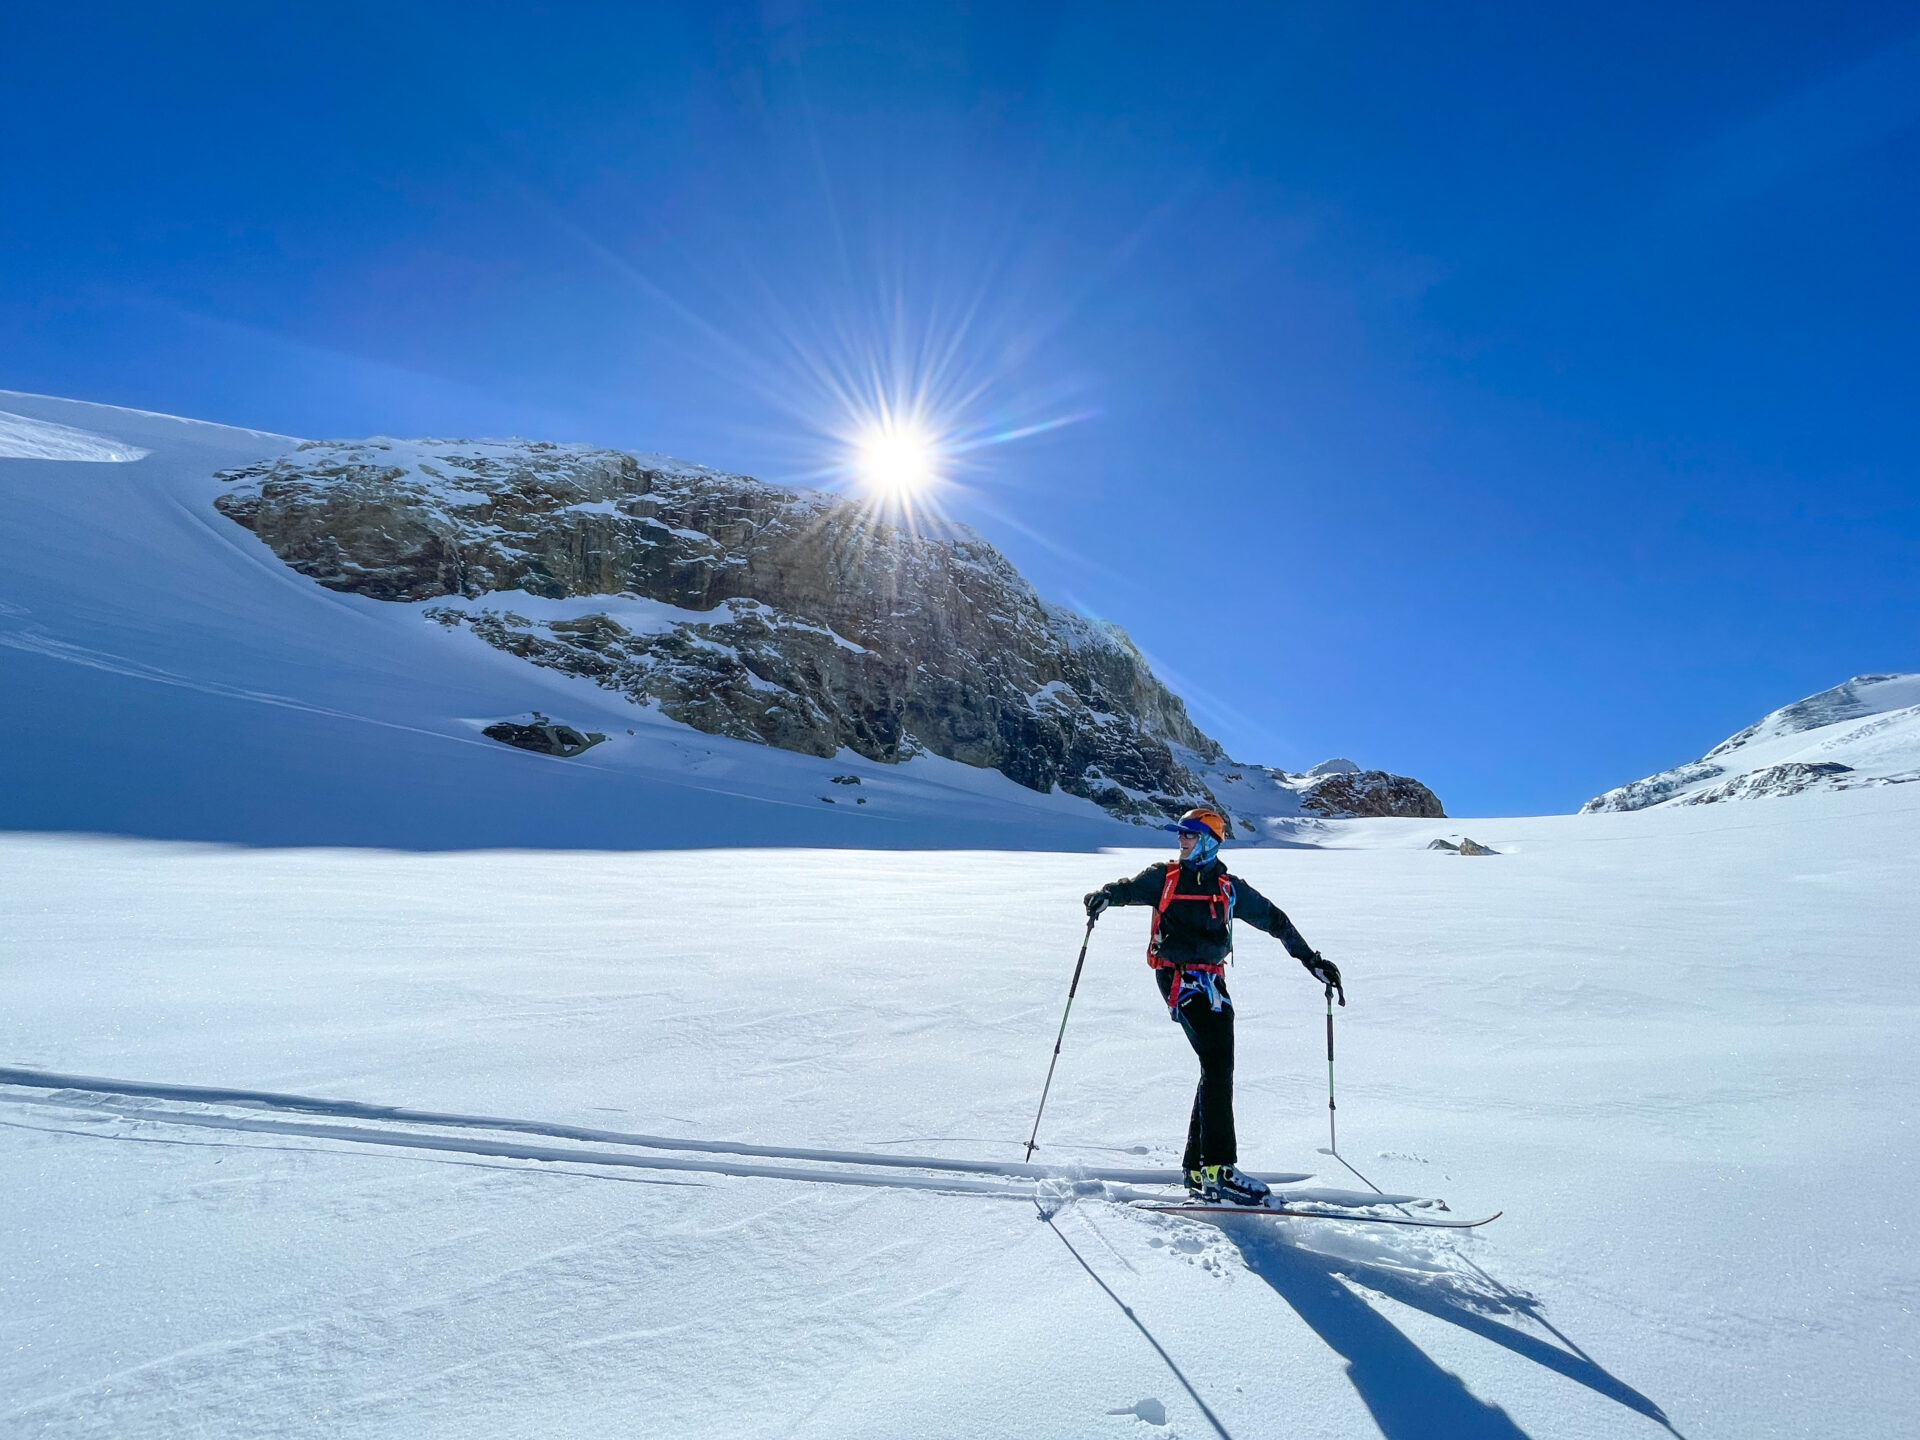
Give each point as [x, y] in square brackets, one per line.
[1195, 904]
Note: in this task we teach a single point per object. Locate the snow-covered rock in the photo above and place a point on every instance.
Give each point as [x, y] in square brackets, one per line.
[785, 617]
[1865, 732]
[1370, 793]
[805, 621]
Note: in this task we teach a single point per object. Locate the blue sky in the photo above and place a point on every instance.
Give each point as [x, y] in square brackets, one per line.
[1518, 397]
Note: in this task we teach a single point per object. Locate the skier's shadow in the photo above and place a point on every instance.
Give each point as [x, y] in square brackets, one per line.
[1410, 1396]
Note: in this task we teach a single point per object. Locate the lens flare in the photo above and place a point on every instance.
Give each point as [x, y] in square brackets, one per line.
[897, 461]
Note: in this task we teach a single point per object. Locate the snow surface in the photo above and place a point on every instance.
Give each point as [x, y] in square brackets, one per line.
[1863, 733]
[1675, 1047]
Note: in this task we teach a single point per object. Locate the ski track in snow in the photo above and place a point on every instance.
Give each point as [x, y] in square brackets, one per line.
[90, 1086]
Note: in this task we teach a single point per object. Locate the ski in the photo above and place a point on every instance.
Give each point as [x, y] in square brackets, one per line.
[1176, 1207]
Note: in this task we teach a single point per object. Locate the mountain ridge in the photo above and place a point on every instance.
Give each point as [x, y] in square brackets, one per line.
[1862, 732]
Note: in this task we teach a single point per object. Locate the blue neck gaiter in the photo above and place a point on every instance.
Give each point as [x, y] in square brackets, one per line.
[1204, 849]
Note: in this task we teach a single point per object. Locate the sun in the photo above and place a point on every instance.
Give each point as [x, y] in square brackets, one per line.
[897, 461]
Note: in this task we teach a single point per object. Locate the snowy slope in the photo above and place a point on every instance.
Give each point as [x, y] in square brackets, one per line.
[1675, 1047]
[1863, 733]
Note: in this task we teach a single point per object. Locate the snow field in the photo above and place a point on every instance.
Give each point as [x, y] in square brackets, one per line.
[1675, 1047]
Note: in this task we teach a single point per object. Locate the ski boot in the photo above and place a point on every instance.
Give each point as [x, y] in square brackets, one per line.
[1227, 1183]
[1196, 1183]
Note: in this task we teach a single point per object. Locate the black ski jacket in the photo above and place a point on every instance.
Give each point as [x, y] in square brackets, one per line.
[1195, 934]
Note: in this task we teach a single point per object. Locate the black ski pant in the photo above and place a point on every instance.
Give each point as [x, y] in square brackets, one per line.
[1210, 1137]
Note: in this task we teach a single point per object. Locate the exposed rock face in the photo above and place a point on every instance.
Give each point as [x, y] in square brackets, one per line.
[1787, 779]
[1655, 789]
[1470, 846]
[803, 621]
[1370, 793]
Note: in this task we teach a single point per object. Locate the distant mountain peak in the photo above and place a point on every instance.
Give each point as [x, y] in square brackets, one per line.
[1865, 732]
[1334, 767]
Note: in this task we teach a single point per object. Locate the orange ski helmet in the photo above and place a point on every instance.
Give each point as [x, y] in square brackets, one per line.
[1202, 818]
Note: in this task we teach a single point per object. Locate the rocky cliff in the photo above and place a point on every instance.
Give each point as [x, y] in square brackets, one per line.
[788, 617]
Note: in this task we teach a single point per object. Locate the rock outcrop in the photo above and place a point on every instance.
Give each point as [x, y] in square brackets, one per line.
[803, 620]
[543, 736]
[787, 617]
[1467, 846]
[1370, 793]
[1788, 779]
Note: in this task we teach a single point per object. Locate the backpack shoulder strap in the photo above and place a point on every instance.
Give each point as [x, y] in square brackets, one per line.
[1160, 909]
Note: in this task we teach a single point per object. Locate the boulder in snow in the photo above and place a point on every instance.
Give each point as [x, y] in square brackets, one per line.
[543, 736]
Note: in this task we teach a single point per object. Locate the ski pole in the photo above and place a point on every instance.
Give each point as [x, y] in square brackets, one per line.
[1033, 1139]
[1333, 1144]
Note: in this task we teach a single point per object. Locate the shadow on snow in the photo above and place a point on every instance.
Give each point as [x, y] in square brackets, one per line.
[1409, 1395]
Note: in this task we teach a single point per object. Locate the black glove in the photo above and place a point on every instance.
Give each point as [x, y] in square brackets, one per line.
[1326, 972]
[1096, 902]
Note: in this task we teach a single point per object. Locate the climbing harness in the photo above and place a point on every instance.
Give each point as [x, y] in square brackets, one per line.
[1203, 977]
